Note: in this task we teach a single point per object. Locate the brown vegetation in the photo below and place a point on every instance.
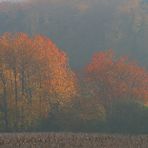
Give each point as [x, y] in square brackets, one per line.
[70, 140]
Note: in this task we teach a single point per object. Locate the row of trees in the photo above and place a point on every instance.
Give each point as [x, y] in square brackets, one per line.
[39, 91]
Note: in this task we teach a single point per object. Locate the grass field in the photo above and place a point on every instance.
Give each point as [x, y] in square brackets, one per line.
[70, 140]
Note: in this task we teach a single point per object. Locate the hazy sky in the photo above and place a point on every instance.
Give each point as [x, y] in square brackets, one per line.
[11, 0]
[84, 26]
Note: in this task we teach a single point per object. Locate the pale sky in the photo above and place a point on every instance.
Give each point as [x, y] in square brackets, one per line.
[11, 0]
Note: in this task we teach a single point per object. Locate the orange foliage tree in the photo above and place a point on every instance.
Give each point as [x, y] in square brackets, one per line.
[39, 76]
[110, 78]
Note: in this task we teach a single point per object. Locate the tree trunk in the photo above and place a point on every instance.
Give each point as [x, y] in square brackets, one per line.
[5, 105]
[16, 100]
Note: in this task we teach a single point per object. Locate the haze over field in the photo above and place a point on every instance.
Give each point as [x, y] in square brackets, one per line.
[83, 26]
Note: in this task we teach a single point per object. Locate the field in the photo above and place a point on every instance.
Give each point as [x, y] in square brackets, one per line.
[70, 140]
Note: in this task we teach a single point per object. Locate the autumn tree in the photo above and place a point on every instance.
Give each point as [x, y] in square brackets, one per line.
[40, 77]
[110, 78]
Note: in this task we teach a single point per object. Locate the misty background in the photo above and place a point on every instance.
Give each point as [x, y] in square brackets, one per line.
[82, 27]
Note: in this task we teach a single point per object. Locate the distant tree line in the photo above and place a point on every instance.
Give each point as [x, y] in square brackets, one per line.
[78, 25]
[40, 92]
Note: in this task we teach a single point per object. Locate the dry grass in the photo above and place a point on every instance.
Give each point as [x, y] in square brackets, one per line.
[70, 140]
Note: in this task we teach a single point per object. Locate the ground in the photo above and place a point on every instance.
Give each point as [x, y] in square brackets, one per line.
[70, 140]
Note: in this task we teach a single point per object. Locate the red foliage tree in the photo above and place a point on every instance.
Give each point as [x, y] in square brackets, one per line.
[112, 79]
[38, 76]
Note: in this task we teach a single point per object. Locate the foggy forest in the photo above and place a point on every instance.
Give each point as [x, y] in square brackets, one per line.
[74, 66]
